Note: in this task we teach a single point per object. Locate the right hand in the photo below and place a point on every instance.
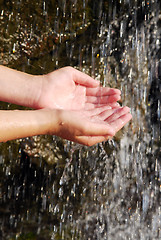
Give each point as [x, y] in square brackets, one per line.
[70, 89]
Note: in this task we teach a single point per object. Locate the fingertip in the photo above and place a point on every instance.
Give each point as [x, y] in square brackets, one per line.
[85, 80]
[127, 109]
[129, 116]
[117, 91]
[96, 82]
[115, 97]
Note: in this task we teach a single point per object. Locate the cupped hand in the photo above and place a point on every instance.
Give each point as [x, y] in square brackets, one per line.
[70, 89]
[91, 126]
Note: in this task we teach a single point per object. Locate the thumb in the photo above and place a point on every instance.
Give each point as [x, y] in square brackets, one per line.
[84, 79]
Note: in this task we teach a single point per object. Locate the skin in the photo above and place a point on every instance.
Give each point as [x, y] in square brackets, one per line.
[68, 88]
[67, 103]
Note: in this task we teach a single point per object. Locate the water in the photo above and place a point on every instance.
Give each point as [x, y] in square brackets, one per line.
[54, 189]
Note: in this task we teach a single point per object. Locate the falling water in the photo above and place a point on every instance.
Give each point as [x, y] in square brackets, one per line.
[60, 190]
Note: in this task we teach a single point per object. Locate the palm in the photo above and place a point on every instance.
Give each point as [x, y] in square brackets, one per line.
[93, 126]
[64, 93]
[70, 89]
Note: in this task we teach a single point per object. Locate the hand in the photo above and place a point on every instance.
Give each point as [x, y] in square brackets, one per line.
[92, 126]
[70, 89]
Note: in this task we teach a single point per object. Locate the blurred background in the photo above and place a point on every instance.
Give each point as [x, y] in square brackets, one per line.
[55, 189]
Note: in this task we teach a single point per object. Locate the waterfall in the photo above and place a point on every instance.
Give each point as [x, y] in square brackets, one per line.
[60, 190]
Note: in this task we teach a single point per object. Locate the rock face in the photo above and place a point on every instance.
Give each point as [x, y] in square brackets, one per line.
[54, 189]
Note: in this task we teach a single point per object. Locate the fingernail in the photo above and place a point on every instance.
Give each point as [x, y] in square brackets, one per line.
[117, 104]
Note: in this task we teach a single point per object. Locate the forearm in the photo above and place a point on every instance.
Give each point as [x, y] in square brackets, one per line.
[19, 88]
[19, 124]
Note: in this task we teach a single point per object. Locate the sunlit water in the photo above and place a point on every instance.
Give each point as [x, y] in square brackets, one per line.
[54, 189]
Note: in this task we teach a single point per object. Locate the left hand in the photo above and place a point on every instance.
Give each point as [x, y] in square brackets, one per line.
[91, 126]
[70, 89]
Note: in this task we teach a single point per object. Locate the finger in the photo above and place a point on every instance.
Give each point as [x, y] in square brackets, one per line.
[89, 106]
[95, 127]
[117, 114]
[84, 79]
[102, 91]
[97, 111]
[114, 105]
[103, 99]
[120, 122]
[107, 113]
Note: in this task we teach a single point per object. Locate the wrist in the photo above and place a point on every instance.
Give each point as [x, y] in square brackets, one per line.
[37, 82]
[41, 87]
[48, 121]
[55, 120]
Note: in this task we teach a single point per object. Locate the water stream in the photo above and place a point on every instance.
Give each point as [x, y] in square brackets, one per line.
[55, 189]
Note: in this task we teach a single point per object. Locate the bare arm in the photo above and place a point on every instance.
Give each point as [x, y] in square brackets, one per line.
[19, 124]
[66, 88]
[18, 87]
[84, 127]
